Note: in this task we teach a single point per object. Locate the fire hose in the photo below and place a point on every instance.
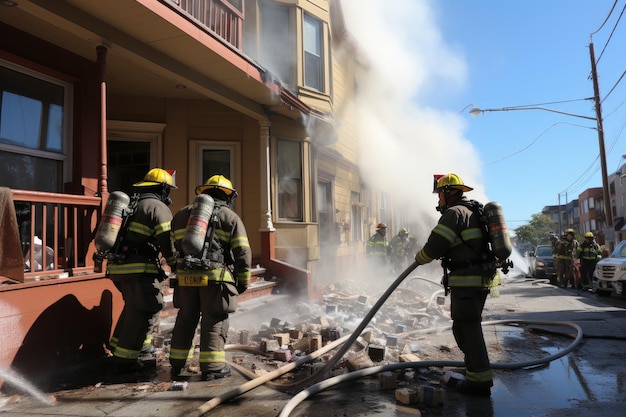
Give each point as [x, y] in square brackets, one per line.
[346, 342]
[209, 405]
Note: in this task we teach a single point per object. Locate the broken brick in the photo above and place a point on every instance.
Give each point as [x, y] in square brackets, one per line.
[358, 360]
[406, 395]
[387, 380]
[376, 352]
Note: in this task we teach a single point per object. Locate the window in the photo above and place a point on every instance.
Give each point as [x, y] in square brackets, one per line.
[216, 162]
[133, 148]
[289, 170]
[33, 129]
[313, 53]
[214, 158]
[326, 213]
[355, 220]
[128, 162]
[277, 42]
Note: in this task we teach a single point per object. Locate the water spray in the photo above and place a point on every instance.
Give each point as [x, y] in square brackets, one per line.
[12, 378]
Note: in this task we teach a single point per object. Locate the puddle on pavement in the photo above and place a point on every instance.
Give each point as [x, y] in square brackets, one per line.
[588, 374]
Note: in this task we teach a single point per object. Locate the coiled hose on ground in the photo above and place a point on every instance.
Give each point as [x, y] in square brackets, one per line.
[331, 382]
[307, 389]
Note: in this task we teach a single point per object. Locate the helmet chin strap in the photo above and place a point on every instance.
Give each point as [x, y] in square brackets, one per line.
[447, 193]
[443, 208]
[165, 195]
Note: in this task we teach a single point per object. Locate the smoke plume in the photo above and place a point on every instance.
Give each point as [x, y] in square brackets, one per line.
[404, 139]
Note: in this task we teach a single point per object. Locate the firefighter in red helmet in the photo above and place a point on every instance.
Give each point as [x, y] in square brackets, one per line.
[377, 249]
[458, 240]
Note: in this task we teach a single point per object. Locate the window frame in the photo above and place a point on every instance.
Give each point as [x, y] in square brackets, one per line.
[65, 155]
[299, 183]
[320, 76]
[197, 148]
[125, 131]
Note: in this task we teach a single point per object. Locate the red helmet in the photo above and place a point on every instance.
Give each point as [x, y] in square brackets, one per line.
[381, 226]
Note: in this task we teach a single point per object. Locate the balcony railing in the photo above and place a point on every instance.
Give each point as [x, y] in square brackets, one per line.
[223, 17]
[56, 231]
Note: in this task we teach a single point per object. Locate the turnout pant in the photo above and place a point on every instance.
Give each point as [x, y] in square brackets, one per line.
[586, 272]
[211, 305]
[565, 272]
[143, 299]
[466, 307]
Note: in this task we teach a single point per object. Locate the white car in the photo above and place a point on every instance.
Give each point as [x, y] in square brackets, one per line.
[610, 273]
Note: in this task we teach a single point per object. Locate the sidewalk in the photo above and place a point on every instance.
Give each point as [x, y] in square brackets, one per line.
[591, 380]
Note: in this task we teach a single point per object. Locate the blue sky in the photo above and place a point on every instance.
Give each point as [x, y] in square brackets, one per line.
[449, 54]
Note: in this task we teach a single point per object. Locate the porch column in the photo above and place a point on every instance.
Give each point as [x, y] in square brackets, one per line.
[104, 188]
[267, 227]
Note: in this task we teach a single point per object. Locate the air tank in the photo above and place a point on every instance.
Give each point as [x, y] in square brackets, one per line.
[498, 231]
[111, 221]
[197, 225]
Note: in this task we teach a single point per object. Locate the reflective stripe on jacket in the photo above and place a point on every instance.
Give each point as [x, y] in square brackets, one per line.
[458, 237]
[377, 245]
[231, 234]
[149, 225]
[589, 251]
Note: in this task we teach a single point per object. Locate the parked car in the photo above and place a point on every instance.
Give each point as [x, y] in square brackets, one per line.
[541, 263]
[610, 273]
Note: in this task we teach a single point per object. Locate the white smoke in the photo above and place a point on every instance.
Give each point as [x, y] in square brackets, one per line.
[404, 140]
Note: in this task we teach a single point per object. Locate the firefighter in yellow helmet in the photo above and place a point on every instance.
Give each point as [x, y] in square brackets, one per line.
[459, 242]
[566, 251]
[135, 267]
[588, 253]
[226, 265]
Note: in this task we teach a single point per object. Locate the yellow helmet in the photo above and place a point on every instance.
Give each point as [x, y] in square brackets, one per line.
[219, 182]
[451, 182]
[568, 231]
[156, 176]
[589, 234]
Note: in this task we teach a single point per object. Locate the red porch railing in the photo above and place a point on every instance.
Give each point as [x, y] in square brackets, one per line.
[223, 17]
[56, 231]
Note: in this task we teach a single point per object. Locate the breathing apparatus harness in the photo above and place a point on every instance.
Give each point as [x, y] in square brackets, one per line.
[121, 251]
[212, 255]
[486, 257]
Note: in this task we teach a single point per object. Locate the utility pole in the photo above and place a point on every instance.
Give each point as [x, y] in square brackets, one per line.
[560, 218]
[608, 211]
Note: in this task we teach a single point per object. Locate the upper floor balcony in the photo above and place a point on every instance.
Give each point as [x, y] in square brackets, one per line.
[223, 17]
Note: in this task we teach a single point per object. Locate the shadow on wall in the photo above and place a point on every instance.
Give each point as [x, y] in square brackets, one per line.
[64, 337]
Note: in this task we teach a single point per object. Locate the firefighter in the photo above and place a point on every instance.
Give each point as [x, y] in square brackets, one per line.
[212, 298]
[136, 268]
[565, 255]
[458, 240]
[377, 249]
[398, 250]
[589, 253]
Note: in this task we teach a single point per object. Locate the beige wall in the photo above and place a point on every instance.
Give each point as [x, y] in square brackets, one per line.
[189, 121]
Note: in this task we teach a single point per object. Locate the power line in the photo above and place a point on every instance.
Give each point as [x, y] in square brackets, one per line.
[605, 20]
[612, 32]
[613, 88]
[534, 141]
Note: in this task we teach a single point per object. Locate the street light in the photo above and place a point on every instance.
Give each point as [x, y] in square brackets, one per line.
[475, 111]
[608, 213]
